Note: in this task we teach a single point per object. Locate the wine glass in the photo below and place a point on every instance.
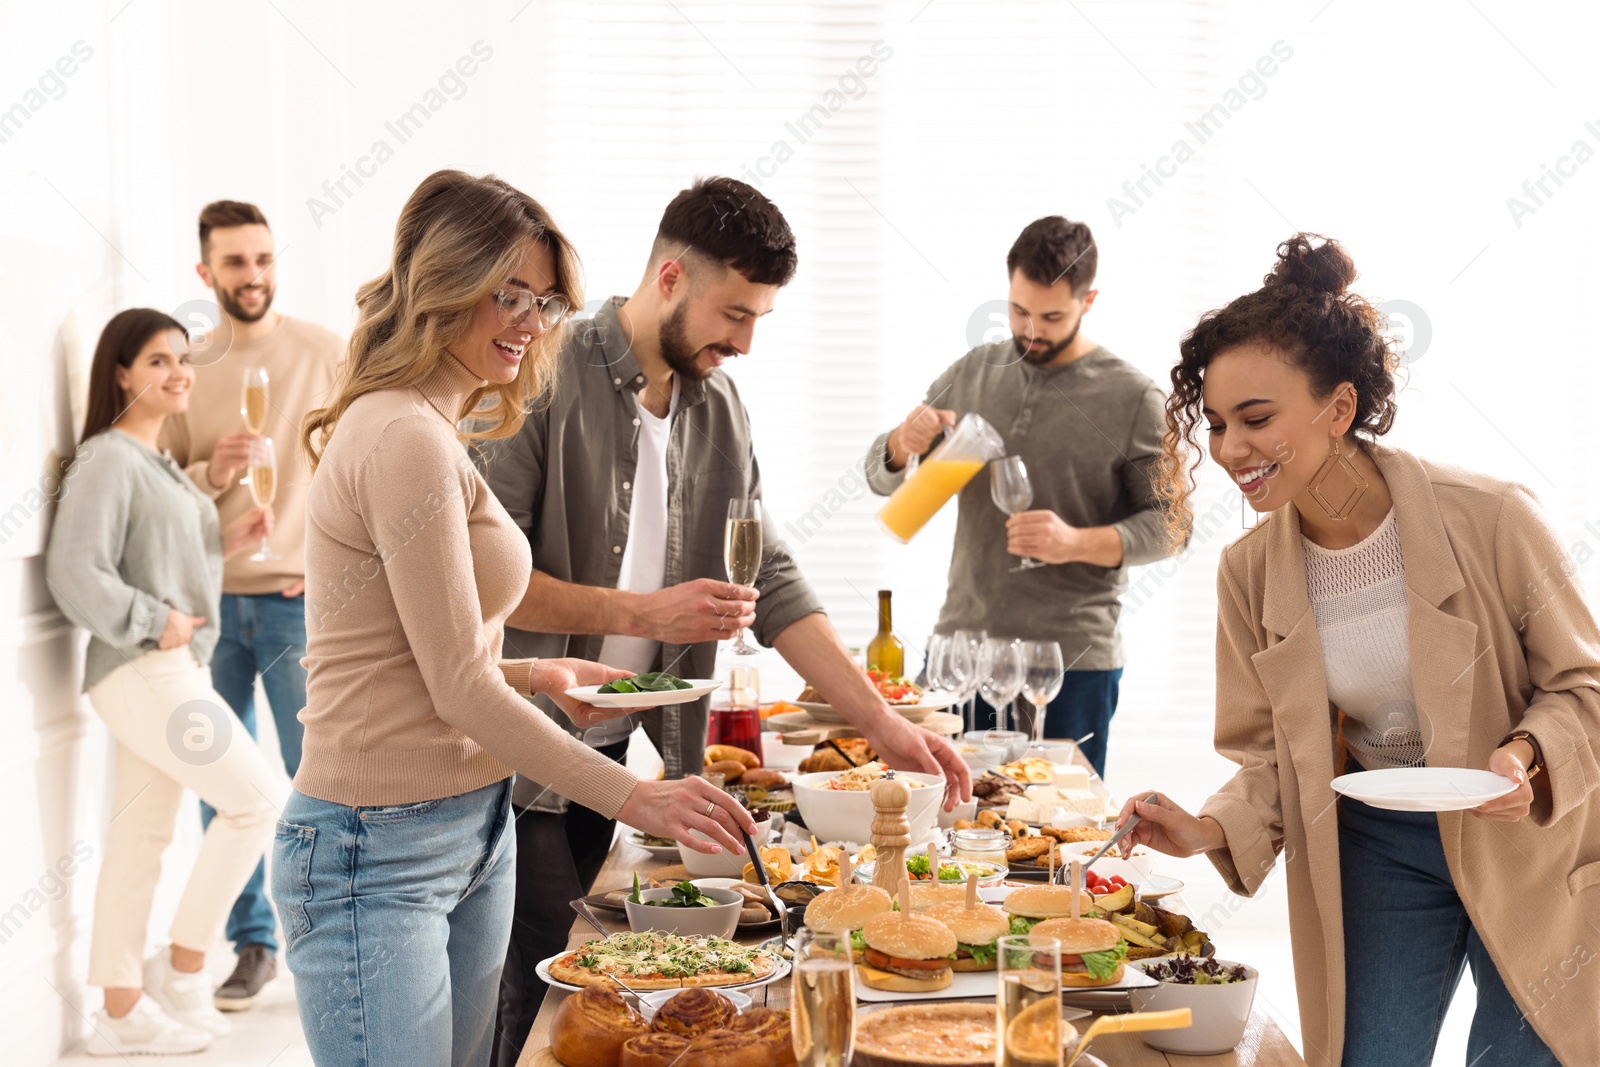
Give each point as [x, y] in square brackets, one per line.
[966, 655]
[263, 487]
[741, 551]
[1028, 1005]
[823, 1020]
[1012, 492]
[934, 656]
[1002, 677]
[1041, 679]
[253, 404]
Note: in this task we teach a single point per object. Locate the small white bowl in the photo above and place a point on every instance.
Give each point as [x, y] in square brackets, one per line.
[967, 810]
[1220, 1012]
[650, 1003]
[1139, 863]
[719, 920]
[1003, 746]
[724, 864]
[779, 756]
[846, 815]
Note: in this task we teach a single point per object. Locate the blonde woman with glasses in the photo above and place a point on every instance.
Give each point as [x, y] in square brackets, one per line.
[394, 865]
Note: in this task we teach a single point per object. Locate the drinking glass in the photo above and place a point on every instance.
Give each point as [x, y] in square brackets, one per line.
[935, 657]
[1041, 679]
[253, 404]
[823, 1017]
[741, 551]
[966, 656]
[1001, 679]
[1012, 492]
[1028, 1006]
[263, 487]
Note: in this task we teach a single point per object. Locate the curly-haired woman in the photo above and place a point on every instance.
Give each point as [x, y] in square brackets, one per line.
[1390, 612]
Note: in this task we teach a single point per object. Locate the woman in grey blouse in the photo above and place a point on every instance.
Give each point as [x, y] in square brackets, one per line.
[135, 558]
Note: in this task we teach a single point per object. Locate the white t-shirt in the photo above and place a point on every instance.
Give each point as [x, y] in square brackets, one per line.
[644, 558]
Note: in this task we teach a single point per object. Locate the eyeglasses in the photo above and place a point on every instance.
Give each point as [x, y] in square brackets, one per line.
[514, 305]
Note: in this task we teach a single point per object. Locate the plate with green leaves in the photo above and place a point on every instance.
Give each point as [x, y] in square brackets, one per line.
[652, 690]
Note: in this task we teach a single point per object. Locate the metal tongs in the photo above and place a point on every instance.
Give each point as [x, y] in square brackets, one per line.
[1133, 820]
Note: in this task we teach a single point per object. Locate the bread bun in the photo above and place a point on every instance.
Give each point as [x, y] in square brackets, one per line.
[1085, 980]
[694, 1012]
[976, 926]
[765, 778]
[1045, 901]
[925, 895]
[730, 769]
[841, 910]
[591, 1026]
[1078, 936]
[724, 1048]
[910, 937]
[716, 753]
[773, 1027]
[899, 983]
[653, 1050]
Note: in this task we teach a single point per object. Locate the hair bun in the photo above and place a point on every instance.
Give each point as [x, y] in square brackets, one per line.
[1308, 267]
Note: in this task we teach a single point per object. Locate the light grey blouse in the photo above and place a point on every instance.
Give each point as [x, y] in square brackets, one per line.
[133, 537]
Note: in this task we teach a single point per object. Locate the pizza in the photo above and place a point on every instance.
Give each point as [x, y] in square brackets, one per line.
[654, 960]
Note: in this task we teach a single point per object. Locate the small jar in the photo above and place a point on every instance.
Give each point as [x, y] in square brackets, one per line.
[984, 844]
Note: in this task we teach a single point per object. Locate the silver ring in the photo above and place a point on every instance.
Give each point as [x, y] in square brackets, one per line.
[711, 808]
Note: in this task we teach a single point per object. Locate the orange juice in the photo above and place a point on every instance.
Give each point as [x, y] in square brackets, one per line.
[921, 496]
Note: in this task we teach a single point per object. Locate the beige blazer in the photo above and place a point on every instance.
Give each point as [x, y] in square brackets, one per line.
[1501, 638]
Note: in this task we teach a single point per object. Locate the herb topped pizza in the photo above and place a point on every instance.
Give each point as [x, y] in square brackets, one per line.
[653, 960]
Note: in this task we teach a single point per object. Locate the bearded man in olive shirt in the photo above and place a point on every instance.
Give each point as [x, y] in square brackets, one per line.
[1088, 427]
[623, 484]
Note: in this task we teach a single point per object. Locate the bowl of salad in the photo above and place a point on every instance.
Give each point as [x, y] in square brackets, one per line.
[684, 908]
[1217, 993]
[951, 872]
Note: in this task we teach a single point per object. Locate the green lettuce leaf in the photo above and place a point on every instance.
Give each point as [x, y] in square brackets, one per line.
[1103, 964]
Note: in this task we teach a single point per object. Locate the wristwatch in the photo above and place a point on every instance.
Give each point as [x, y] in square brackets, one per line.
[1537, 764]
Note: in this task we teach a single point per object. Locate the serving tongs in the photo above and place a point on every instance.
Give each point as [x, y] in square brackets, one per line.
[582, 908]
[766, 882]
[1133, 820]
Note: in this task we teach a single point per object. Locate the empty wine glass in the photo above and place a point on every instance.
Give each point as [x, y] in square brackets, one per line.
[1041, 679]
[741, 552]
[1002, 676]
[1012, 492]
[934, 655]
[965, 659]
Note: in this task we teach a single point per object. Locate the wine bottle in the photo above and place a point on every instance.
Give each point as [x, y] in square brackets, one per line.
[885, 652]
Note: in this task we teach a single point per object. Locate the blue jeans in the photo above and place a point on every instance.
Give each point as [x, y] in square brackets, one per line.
[1407, 939]
[396, 920]
[266, 635]
[1085, 704]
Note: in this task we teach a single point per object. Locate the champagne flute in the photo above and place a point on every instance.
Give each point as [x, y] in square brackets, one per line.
[1012, 492]
[741, 552]
[1028, 1007]
[263, 487]
[253, 404]
[823, 1019]
[1042, 675]
[1002, 678]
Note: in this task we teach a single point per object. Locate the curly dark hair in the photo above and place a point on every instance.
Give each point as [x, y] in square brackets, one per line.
[1053, 248]
[1305, 310]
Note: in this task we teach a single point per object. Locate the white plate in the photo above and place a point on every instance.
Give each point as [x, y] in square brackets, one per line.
[930, 703]
[698, 687]
[1152, 886]
[1424, 788]
[660, 852]
[782, 969]
[986, 984]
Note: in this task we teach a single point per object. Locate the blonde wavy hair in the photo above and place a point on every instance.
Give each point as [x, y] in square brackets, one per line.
[458, 239]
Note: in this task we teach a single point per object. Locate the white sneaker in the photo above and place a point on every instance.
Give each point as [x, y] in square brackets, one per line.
[185, 997]
[144, 1031]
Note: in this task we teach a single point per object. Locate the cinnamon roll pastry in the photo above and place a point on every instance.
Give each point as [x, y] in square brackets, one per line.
[694, 1012]
[654, 1050]
[591, 1025]
[724, 1048]
[770, 1026]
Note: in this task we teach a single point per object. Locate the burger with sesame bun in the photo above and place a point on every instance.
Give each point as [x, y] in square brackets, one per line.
[1036, 903]
[846, 911]
[976, 930]
[906, 953]
[1092, 951]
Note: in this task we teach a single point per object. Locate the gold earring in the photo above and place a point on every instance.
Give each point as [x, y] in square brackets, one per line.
[1337, 460]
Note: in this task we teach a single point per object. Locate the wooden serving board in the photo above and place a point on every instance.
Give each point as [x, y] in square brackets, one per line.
[799, 728]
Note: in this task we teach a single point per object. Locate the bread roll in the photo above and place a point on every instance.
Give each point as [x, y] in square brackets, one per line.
[730, 769]
[772, 1027]
[694, 1012]
[714, 753]
[653, 1050]
[591, 1026]
[724, 1048]
[765, 777]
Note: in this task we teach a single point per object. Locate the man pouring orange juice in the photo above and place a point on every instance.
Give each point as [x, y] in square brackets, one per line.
[1052, 479]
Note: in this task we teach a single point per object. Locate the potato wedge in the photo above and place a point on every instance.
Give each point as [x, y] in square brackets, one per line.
[1117, 901]
[1134, 937]
[1134, 924]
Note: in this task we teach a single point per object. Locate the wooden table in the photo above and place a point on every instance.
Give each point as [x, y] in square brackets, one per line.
[1264, 1045]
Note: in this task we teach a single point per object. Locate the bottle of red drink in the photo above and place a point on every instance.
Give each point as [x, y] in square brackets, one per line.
[736, 719]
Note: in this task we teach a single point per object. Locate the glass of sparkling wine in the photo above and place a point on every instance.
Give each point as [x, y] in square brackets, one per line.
[1028, 1008]
[263, 486]
[741, 551]
[823, 1016]
[253, 404]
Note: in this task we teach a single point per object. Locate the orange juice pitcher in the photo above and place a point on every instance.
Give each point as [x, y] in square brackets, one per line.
[965, 450]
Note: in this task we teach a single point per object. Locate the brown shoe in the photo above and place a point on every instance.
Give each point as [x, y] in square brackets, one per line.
[256, 969]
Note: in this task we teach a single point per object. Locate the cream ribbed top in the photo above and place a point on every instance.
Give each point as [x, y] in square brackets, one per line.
[1358, 595]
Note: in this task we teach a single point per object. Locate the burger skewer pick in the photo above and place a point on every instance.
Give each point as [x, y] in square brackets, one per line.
[972, 891]
[847, 873]
[1077, 885]
[933, 858]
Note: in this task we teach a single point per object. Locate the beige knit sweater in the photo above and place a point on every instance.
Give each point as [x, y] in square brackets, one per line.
[412, 566]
